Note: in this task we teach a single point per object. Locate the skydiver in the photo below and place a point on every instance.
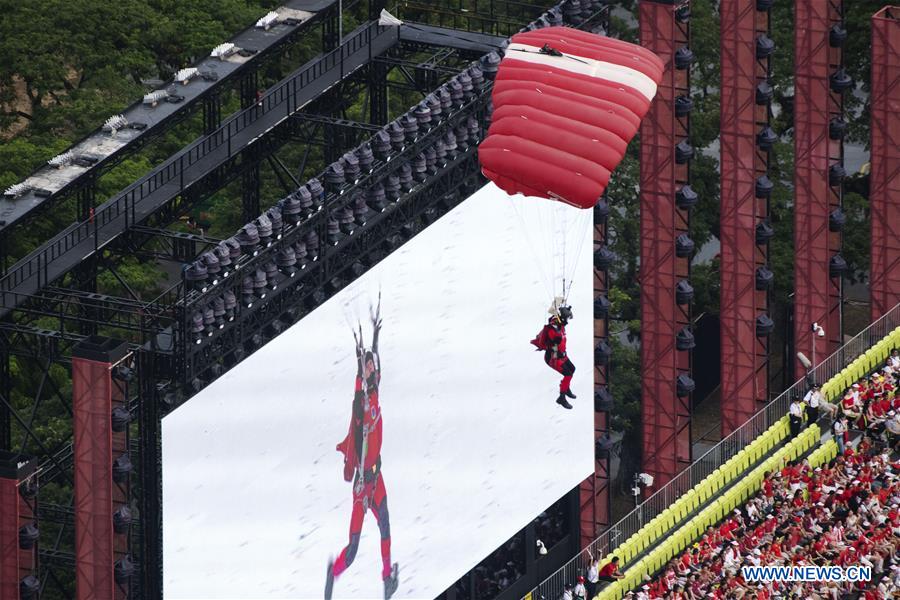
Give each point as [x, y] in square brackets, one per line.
[552, 340]
[362, 465]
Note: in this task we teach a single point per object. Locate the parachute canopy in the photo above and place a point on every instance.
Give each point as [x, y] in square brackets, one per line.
[566, 104]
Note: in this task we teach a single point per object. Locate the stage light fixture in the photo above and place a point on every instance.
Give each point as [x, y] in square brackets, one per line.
[837, 219]
[601, 306]
[123, 570]
[602, 353]
[684, 385]
[410, 127]
[764, 325]
[765, 46]
[365, 158]
[686, 197]
[684, 340]
[223, 255]
[247, 292]
[684, 246]
[764, 233]
[603, 258]
[360, 209]
[122, 519]
[209, 320]
[29, 588]
[248, 238]
[684, 292]
[422, 115]
[196, 276]
[119, 419]
[765, 279]
[28, 536]
[317, 192]
[123, 373]
[274, 215]
[603, 399]
[213, 268]
[230, 304]
[684, 56]
[121, 468]
[259, 284]
[197, 326]
[683, 106]
[197, 384]
[286, 259]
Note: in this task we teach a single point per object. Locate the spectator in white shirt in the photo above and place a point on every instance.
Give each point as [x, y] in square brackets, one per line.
[593, 576]
[796, 416]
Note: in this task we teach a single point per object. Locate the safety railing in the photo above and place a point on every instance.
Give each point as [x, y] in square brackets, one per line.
[284, 98]
[553, 587]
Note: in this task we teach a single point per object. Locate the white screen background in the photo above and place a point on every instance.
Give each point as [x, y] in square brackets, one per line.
[254, 500]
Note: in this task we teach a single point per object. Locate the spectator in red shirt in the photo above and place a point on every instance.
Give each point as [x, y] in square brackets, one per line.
[610, 571]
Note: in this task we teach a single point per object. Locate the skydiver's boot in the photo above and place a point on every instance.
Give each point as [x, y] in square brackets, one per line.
[570, 394]
[329, 579]
[391, 582]
[562, 401]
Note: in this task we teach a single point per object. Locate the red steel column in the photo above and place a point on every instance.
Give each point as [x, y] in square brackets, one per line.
[819, 81]
[18, 529]
[92, 394]
[666, 249]
[744, 228]
[884, 182]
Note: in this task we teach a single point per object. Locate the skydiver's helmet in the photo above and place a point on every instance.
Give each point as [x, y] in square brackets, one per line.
[372, 379]
[565, 313]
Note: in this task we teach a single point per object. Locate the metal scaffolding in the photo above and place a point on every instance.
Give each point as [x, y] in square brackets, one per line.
[884, 183]
[666, 247]
[819, 84]
[745, 230]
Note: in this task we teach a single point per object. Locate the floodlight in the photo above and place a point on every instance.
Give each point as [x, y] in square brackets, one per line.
[19, 189]
[184, 76]
[268, 20]
[114, 123]
[223, 51]
[247, 289]
[155, 97]
[61, 160]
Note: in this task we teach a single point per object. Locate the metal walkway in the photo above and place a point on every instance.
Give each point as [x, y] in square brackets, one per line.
[68, 249]
[469, 41]
[99, 150]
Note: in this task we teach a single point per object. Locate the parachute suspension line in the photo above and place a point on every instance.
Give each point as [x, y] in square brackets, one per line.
[585, 224]
[564, 272]
[532, 248]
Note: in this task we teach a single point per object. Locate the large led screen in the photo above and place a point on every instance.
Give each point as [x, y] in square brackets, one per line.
[473, 442]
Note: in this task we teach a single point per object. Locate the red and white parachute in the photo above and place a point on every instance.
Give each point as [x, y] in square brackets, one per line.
[566, 104]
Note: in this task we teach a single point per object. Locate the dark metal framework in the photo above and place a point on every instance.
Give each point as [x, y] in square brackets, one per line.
[819, 84]
[84, 187]
[666, 247]
[745, 231]
[884, 182]
[167, 365]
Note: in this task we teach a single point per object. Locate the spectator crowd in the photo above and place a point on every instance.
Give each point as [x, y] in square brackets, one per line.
[842, 514]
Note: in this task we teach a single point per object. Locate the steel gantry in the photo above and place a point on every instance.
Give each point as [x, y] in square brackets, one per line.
[884, 185]
[745, 230]
[666, 246]
[819, 126]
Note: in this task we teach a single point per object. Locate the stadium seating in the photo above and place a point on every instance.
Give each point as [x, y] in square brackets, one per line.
[677, 539]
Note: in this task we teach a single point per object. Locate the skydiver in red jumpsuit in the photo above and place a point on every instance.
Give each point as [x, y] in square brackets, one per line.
[552, 340]
[364, 440]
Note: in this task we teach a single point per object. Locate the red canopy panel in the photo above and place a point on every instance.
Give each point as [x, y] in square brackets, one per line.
[566, 104]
